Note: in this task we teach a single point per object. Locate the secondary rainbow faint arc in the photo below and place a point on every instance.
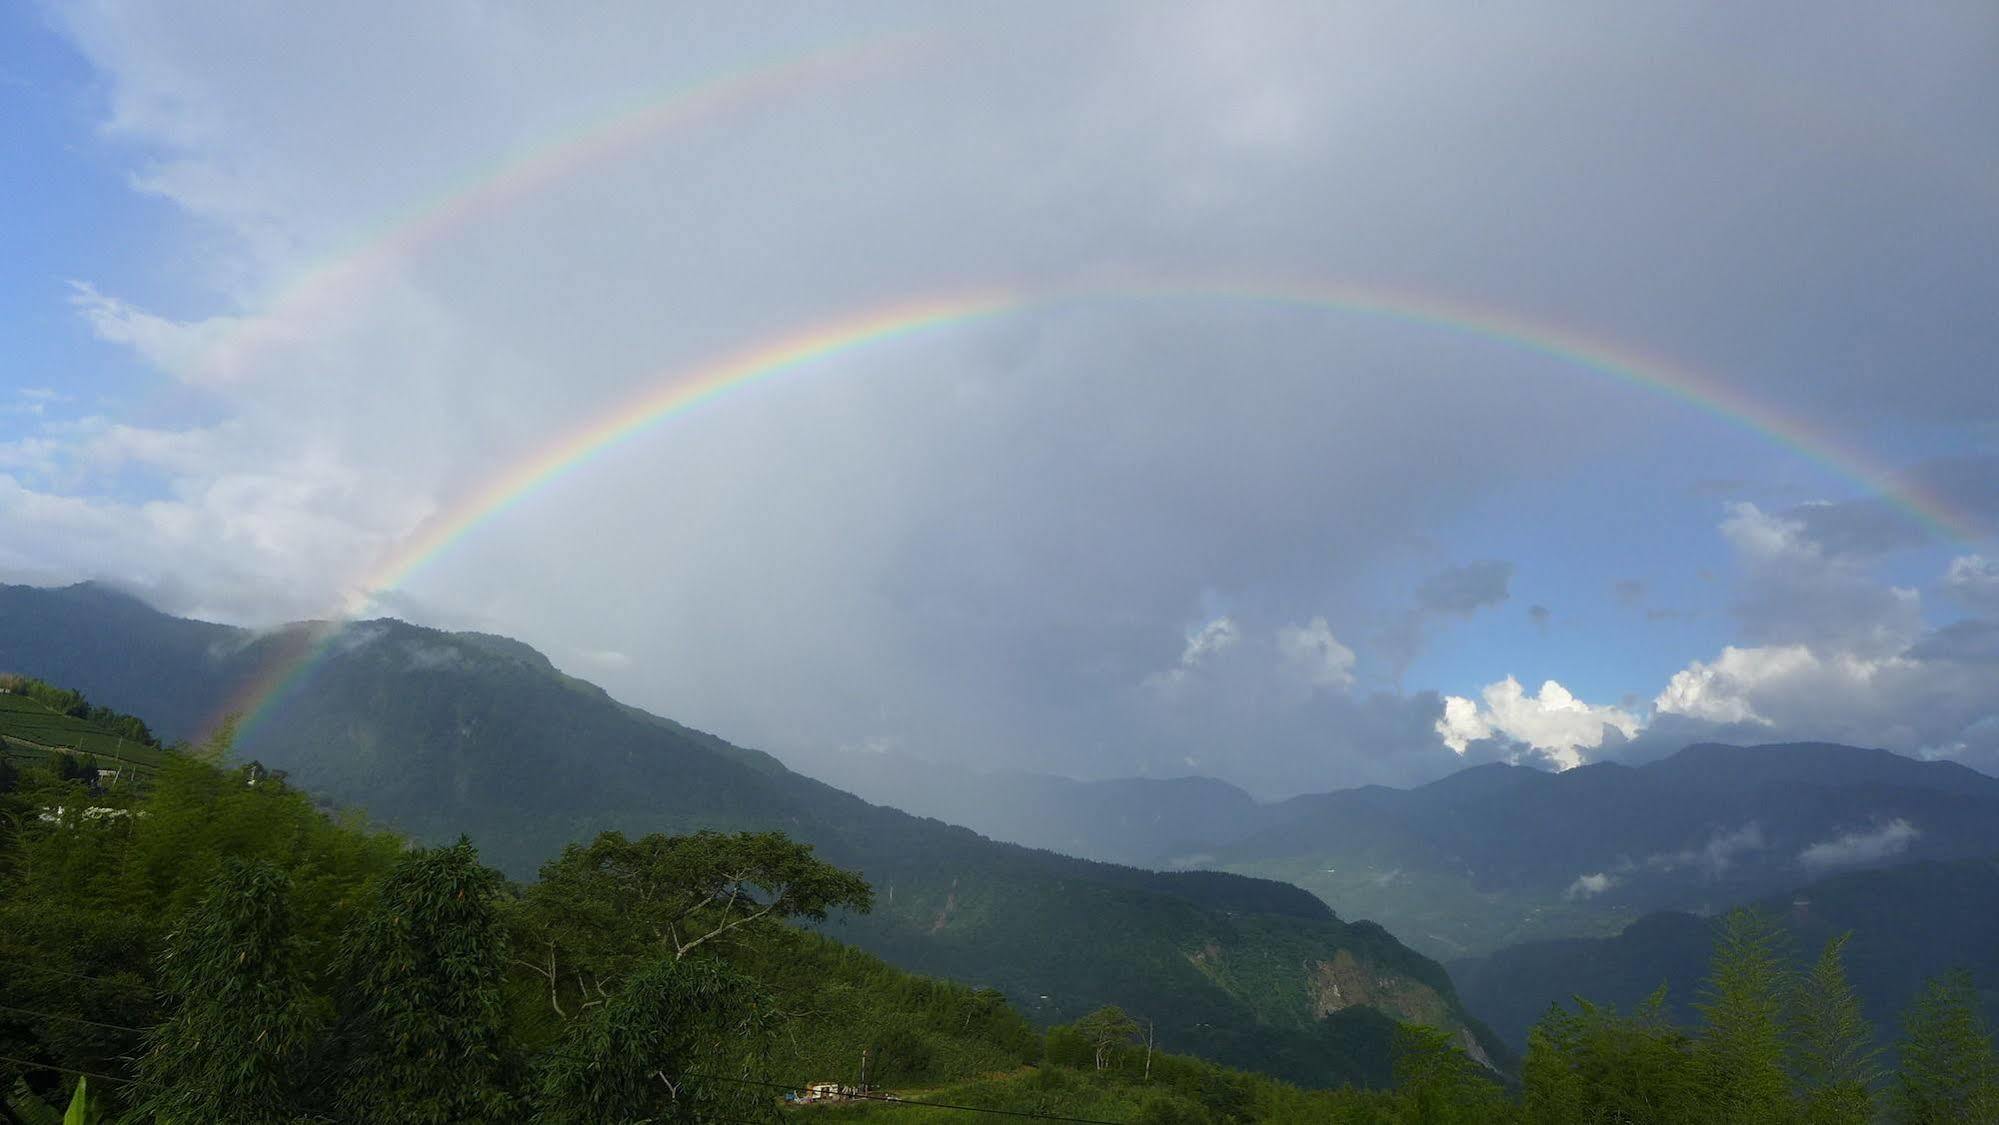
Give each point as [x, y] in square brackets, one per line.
[317, 292]
[677, 391]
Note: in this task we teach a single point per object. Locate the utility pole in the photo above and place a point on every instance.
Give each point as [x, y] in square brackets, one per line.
[1148, 1050]
[864, 1070]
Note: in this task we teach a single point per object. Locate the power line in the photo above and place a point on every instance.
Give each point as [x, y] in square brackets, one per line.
[32, 1066]
[73, 1019]
[72, 1070]
[31, 967]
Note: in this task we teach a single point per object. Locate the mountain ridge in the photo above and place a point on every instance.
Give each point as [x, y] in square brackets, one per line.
[439, 734]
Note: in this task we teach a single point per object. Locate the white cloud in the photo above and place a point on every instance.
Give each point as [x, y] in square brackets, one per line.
[1217, 636]
[188, 351]
[1794, 592]
[1721, 692]
[1590, 886]
[1313, 651]
[1870, 845]
[1845, 656]
[1553, 721]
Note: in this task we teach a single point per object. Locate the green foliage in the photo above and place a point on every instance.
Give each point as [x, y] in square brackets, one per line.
[423, 971]
[1105, 1030]
[1436, 1084]
[655, 980]
[1949, 1072]
[1740, 1052]
[1594, 1066]
[601, 906]
[494, 742]
[1832, 1051]
[243, 1029]
[83, 1109]
[682, 1040]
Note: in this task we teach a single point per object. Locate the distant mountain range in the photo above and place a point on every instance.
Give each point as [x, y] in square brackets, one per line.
[441, 733]
[1908, 922]
[1495, 855]
[1147, 822]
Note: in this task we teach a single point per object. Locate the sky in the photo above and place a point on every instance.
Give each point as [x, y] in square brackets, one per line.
[1356, 392]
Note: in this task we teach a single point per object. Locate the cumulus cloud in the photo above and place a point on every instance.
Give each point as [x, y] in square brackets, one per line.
[1552, 721]
[1217, 636]
[1201, 647]
[1862, 846]
[1848, 658]
[1590, 886]
[1722, 691]
[1312, 651]
[1797, 592]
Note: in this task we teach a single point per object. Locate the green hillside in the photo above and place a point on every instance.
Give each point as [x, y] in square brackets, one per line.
[32, 731]
[1498, 855]
[89, 906]
[219, 951]
[439, 734]
[1909, 923]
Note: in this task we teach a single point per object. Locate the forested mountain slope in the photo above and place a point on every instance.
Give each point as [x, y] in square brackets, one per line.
[439, 734]
[1909, 923]
[1497, 854]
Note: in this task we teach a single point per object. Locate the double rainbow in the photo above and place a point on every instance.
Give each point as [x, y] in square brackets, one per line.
[675, 393]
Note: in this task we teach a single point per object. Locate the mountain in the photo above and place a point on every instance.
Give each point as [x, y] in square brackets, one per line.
[1497, 854]
[1908, 922]
[1139, 821]
[440, 733]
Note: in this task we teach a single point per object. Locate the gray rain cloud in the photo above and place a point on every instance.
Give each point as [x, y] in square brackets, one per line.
[992, 540]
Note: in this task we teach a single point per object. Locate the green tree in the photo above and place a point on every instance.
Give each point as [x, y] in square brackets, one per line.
[1105, 1030]
[1593, 1065]
[1437, 1084]
[422, 1007]
[604, 907]
[1833, 1056]
[682, 1040]
[244, 1031]
[1948, 1070]
[1740, 1052]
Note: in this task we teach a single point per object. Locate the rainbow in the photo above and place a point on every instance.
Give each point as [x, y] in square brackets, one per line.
[676, 392]
[320, 292]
